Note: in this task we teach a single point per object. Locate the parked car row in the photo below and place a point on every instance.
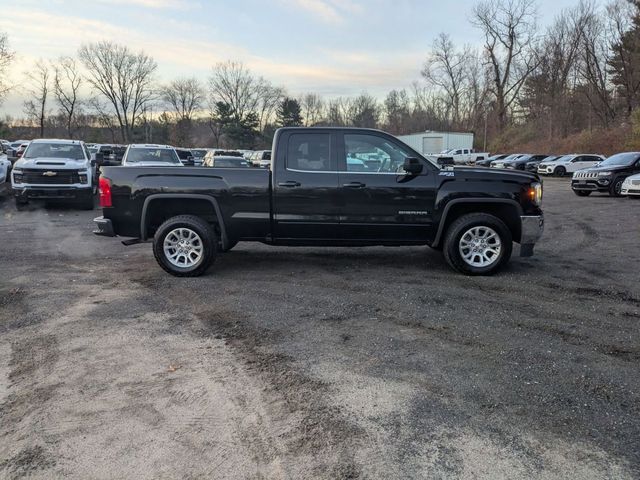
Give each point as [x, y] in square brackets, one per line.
[618, 175]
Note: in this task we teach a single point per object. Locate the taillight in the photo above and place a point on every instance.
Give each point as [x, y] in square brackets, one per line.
[105, 192]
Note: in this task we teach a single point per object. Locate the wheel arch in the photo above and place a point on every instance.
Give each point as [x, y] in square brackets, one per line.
[161, 206]
[509, 211]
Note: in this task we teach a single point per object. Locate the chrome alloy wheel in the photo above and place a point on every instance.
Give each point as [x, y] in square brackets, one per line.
[183, 247]
[480, 246]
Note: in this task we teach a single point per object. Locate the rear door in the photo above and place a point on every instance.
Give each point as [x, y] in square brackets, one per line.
[383, 203]
[305, 186]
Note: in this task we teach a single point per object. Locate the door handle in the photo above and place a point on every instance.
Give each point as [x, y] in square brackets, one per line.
[289, 184]
[354, 185]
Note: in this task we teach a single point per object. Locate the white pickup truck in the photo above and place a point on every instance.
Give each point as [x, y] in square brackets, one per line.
[459, 156]
[5, 180]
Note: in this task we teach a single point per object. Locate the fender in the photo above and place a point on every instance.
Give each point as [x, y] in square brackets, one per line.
[445, 212]
[193, 196]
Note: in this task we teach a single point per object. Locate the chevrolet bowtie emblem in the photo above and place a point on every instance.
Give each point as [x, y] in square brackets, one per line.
[50, 174]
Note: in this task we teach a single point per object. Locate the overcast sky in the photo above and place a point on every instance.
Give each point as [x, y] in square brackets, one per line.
[332, 47]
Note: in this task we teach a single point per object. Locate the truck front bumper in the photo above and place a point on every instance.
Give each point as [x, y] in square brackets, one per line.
[532, 229]
[51, 193]
[104, 227]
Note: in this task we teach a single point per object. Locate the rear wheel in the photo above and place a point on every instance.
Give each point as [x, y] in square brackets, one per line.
[560, 171]
[185, 246]
[478, 244]
[582, 193]
[615, 190]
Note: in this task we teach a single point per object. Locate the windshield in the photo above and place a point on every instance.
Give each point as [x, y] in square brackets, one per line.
[55, 150]
[199, 153]
[167, 155]
[184, 154]
[564, 159]
[230, 162]
[621, 159]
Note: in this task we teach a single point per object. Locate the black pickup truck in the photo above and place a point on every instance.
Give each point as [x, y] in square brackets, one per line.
[325, 187]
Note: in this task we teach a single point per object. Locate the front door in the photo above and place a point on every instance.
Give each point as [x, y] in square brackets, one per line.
[379, 201]
[305, 186]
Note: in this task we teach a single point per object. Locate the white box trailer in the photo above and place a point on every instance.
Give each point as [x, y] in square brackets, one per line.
[435, 142]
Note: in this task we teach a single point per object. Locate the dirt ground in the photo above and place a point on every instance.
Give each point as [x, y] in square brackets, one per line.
[321, 363]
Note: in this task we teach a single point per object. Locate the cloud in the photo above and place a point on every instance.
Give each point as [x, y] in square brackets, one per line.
[331, 72]
[329, 11]
[158, 4]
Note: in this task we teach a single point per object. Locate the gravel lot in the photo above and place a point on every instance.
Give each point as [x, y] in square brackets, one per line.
[321, 363]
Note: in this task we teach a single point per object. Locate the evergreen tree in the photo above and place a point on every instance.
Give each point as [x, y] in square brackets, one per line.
[624, 63]
[289, 113]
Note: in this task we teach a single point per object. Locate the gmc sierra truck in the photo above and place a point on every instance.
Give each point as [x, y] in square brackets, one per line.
[316, 192]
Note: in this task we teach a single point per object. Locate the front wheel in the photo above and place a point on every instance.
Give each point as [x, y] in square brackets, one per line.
[185, 246]
[478, 244]
[582, 193]
[615, 190]
[560, 171]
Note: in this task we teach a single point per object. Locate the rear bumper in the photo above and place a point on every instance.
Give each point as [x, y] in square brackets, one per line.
[104, 227]
[532, 229]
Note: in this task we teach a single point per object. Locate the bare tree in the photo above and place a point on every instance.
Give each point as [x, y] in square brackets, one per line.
[125, 78]
[184, 95]
[593, 65]
[509, 30]
[313, 109]
[66, 87]
[446, 68]
[38, 91]
[6, 57]
[233, 84]
[104, 118]
[269, 97]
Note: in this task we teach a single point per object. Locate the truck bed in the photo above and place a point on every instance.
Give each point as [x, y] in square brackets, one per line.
[241, 194]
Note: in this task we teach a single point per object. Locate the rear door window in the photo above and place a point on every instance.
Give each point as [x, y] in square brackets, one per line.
[310, 152]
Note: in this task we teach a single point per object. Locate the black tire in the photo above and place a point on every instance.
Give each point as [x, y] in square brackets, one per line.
[207, 236]
[463, 224]
[582, 193]
[560, 171]
[21, 201]
[615, 190]
[86, 201]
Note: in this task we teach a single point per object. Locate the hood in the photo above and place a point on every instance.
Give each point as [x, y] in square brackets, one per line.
[489, 174]
[49, 163]
[601, 168]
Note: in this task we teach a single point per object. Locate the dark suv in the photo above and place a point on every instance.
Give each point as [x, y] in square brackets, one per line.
[608, 176]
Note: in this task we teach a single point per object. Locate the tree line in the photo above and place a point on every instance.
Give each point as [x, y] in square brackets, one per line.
[524, 82]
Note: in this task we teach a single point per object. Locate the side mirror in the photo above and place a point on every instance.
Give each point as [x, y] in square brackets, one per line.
[93, 163]
[412, 166]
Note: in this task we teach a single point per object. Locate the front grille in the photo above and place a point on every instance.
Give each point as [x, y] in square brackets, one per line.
[47, 177]
[585, 175]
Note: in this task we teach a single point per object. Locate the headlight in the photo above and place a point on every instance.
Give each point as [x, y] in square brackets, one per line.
[16, 174]
[535, 193]
[604, 174]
